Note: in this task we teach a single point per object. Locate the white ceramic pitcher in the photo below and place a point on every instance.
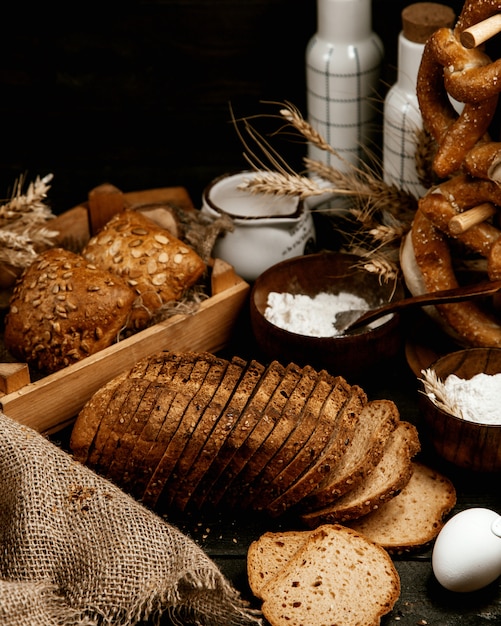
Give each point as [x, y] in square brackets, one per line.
[267, 229]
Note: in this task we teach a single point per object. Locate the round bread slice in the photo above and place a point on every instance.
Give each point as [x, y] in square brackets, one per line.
[337, 576]
[64, 309]
[414, 517]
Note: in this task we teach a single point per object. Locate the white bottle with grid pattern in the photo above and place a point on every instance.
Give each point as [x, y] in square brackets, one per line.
[402, 116]
[343, 63]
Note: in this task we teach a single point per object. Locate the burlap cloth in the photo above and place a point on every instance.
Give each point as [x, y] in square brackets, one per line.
[77, 550]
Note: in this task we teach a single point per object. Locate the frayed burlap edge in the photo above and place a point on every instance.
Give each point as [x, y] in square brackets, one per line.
[77, 551]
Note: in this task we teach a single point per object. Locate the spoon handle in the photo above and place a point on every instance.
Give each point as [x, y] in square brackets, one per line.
[457, 294]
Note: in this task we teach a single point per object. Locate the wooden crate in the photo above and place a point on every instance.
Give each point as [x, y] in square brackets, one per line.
[52, 403]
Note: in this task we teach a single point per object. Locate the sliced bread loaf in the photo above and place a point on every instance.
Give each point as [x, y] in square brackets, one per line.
[363, 452]
[415, 516]
[217, 454]
[321, 411]
[388, 478]
[337, 576]
[343, 422]
[211, 427]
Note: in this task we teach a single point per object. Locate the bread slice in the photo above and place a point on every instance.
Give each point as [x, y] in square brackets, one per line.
[209, 426]
[336, 577]
[216, 453]
[242, 490]
[180, 404]
[253, 415]
[415, 516]
[269, 554]
[160, 369]
[330, 396]
[387, 479]
[364, 451]
[193, 429]
[288, 455]
[344, 421]
[89, 420]
[255, 450]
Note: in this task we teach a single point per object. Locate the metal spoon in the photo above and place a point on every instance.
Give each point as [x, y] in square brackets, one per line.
[346, 321]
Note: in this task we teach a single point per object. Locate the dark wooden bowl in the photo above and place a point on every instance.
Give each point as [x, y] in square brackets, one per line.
[467, 444]
[351, 355]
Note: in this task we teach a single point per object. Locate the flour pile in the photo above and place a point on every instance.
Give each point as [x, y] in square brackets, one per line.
[310, 316]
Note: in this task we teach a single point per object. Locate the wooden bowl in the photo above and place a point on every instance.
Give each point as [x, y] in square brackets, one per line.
[464, 443]
[350, 355]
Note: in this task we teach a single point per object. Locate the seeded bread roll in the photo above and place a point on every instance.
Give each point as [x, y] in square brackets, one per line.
[157, 265]
[64, 309]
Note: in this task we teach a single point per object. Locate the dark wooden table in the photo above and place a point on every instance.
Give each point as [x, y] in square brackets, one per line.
[226, 537]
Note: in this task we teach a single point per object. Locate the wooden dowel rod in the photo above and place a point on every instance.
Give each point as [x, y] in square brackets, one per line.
[481, 32]
[463, 221]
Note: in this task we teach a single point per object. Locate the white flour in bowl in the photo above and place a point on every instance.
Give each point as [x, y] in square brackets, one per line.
[477, 399]
[311, 316]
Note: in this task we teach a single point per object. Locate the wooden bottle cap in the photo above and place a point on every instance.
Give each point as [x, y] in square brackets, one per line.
[422, 19]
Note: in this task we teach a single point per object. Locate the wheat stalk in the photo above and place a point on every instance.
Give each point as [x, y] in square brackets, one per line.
[383, 213]
[23, 222]
[436, 391]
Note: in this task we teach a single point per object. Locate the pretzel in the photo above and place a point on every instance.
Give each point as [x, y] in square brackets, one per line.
[466, 206]
[469, 324]
[469, 76]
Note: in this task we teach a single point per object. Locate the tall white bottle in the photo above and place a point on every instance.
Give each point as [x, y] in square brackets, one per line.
[343, 63]
[402, 117]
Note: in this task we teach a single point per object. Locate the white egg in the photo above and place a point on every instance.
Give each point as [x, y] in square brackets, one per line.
[467, 552]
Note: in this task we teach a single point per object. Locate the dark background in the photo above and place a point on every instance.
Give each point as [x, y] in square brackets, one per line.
[139, 93]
